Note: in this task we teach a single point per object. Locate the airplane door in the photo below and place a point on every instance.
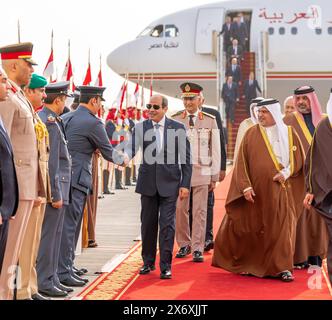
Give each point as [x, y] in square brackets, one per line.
[208, 20]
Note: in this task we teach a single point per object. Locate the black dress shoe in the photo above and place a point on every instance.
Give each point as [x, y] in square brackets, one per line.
[166, 274]
[83, 270]
[78, 278]
[38, 296]
[147, 268]
[198, 256]
[183, 252]
[64, 288]
[209, 245]
[72, 282]
[53, 292]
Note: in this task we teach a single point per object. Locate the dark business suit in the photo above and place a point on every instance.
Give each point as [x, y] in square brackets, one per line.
[250, 92]
[8, 188]
[158, 183]
[230, 94]
[234, 53]
[239, 31]
[226, 32]
[234, 72]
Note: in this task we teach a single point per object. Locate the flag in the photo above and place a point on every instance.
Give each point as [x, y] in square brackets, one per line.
[68, 72]
[49, 69]
[121, 96]
[136, 94]
[88, 77]
[99, 80]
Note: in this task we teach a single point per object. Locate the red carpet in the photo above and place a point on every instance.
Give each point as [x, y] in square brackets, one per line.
[201, 281]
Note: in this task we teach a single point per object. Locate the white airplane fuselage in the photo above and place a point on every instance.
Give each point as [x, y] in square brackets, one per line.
[297, 50]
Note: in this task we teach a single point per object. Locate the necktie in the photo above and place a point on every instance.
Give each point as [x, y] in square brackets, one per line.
[158, 138]
[191, 121]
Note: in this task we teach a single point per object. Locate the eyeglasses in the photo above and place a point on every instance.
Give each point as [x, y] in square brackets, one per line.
[154, 106]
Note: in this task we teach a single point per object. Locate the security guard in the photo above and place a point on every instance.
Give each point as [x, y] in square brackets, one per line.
[19, 120]
[85, 133]
[60, 177]
[204, 138]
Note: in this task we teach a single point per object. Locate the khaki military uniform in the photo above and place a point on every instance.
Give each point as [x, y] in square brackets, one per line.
[28, 257]
[205, 144]
[18, 118]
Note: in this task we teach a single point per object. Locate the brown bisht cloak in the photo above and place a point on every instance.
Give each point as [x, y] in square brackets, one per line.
[259, 238]
[318, 169]
[311, 231]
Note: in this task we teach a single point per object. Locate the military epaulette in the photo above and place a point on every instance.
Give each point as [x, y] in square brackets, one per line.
[178, 113]
[51, 118]
[208, 115]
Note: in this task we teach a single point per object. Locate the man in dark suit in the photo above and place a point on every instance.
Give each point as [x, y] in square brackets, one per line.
[239, 31]
[234, 70]
[230, 95]
[234, 51]
[85, 134]
[209, 243]
[8, 180]
[164, 175]
[251, 87]
[226, 32]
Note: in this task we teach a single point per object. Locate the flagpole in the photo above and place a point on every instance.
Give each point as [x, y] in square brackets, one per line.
[142, 94]
[19, 31]
[51, 51]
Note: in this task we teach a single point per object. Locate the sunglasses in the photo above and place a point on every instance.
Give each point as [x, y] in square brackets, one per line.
[154, 106]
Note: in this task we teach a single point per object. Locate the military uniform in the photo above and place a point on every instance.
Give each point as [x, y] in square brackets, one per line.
[27, 260]
[60, 178]
[85, 133]
[18, 119]
[204, 138]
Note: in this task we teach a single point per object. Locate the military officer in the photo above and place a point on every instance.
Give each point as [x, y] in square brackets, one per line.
[20, 121]
[60, 177]
[85, 133]
[203, 133]
[28, 289]
[9, 194]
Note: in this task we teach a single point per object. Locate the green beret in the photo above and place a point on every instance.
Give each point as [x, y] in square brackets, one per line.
[37, 81]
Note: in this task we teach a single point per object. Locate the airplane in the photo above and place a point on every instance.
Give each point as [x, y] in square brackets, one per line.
[290, 44]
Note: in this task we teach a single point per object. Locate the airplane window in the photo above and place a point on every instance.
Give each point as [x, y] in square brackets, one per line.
[294, 30]
[329, 30]
[282, 31]
[171, 31]
[318, 31]
[157, 31]
[145, 32]
[271, 31]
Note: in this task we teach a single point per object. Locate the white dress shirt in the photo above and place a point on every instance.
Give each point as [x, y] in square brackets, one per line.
[161, 130]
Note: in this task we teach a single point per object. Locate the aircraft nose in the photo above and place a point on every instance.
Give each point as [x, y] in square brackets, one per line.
[119, 59]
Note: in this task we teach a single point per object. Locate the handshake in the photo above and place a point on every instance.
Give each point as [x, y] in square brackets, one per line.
[125, 159]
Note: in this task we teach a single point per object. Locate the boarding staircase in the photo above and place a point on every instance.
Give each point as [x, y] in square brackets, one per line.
[248, 64]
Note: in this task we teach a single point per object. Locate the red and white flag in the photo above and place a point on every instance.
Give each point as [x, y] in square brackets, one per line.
[88, 77]
[68, 72]
[136, 94]
[99, 80]
[121, 96]
[49, 69]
